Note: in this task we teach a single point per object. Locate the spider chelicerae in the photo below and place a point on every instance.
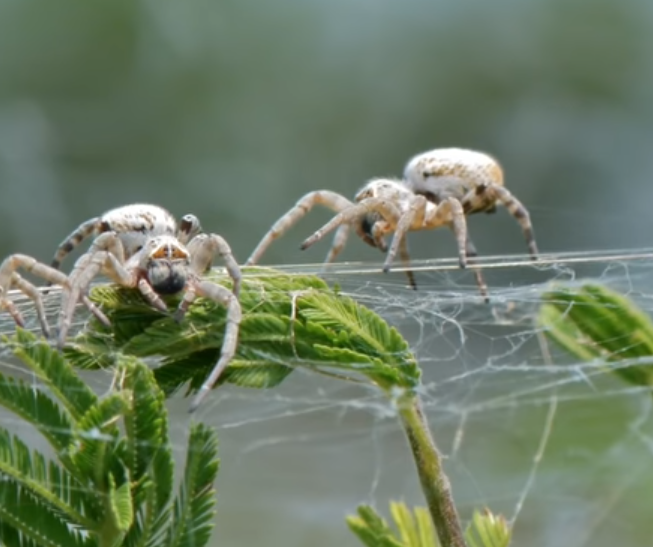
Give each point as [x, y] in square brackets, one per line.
[138, 246]
[439, 188]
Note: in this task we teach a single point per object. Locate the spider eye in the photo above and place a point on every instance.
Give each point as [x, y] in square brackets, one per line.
[170, 252]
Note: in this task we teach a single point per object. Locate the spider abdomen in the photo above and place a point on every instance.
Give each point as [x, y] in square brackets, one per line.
[135, 224]
[451, 173]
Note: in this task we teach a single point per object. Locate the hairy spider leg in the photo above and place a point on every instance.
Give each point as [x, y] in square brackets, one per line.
[331, 200]
[478, 199]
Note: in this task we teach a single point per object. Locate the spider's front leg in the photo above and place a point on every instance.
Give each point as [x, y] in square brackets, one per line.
[388, 211]
[107, 256]
[203, 249]
[331, 200]
[199, 287]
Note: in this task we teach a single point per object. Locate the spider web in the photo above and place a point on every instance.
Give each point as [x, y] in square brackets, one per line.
[562, 449]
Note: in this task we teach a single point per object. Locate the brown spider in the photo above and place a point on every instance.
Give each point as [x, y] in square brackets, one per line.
[439, 188]
[137, 246]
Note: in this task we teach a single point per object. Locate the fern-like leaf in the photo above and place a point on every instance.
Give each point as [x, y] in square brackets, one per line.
[194, 505]
[594, 322]
[487, 530]
[25, 516]
[51, 368]
[289, 321]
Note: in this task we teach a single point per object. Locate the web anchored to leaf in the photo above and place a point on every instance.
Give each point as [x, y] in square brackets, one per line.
[510, 414]
[289, 321]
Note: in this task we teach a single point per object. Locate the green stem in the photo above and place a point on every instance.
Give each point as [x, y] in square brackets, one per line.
[435, 483]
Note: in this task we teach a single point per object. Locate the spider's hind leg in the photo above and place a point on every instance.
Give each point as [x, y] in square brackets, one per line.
[84, 230]
[484, 198]
[470, 251]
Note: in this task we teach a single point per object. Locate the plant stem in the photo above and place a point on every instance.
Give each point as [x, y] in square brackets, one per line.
[435, 483]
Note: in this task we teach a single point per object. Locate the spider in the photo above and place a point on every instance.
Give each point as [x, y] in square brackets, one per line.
[439, 188]
[138, 246]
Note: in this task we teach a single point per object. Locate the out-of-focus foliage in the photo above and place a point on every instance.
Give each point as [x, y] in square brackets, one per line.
[415, 528]
[594, 322]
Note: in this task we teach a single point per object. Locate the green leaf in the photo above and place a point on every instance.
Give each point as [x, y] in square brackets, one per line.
[487, 530]
[38, 409]
[194, 507]
[24, 516]
[371, 529]
[51, 368]
[594, 322]
[405, 522]
[415, 528]
[48, 485]
[98, 440]
[289, 321]
[120, 501]
[110, 480]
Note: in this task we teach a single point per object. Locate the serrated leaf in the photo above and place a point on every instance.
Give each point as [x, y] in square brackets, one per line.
[147, 425]
[371, 529]
[25, 516]
[194, 507]
[51, 368]
[120, 501]
[594, 322]
[289, 321]
[98, 438]
[487, 530]
[38, 409]
[50, 486]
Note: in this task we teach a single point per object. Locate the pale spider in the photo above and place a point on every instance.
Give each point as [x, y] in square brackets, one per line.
[439, 188]
[139, 246]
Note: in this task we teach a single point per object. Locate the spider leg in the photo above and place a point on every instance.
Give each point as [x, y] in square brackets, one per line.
[339, 240]
[470, 251]
[30, 290]
[449, 212]
[405, 260]
[223, 296]
[106, 255]
[331, 200]
[494, 192]
[381, 205]
[204, 247]
[412, 218]
[9, 277]
[78, 235]
[97, 312]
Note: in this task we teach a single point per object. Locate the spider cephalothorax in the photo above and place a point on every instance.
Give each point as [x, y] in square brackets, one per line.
[137, 246]
[439, 188]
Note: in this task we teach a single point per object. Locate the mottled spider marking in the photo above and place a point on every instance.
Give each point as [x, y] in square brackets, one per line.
[440, 187]
[136, 246]
[475, 179]
[133, 224]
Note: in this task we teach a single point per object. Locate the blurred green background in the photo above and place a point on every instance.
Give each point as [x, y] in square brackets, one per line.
[233, 110]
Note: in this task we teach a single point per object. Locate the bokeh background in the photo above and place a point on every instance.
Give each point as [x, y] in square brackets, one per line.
[233, 110]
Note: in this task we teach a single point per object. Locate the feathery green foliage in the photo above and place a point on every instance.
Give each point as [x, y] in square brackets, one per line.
[594, 322]
[288, 321]
[415, 528]
[110, 480]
